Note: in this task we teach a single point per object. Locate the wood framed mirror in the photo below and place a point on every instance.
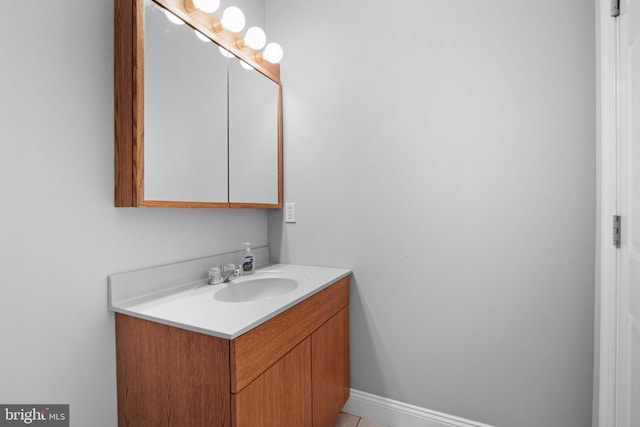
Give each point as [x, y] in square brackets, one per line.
[193, 128]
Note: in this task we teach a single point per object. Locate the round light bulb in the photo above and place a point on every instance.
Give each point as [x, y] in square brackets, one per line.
[224, 52]
[246, 66]
[201, 36]
[208, 6]
[233, 19]
[273, 53]
[173, 18]
[255, 38]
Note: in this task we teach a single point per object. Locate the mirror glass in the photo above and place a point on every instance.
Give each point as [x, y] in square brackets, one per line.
[185, 113]
[253, 135]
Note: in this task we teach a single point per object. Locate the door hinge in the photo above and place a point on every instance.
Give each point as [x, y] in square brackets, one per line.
[617, 232]
[615, 8]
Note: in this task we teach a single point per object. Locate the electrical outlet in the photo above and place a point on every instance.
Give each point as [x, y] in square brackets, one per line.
[290, 212]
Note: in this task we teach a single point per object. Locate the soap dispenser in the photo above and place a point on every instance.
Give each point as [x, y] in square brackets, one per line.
[248, 260]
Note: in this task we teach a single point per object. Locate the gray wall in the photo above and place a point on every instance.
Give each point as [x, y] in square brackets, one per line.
[451, 168]
[60, 235]
[445, 151]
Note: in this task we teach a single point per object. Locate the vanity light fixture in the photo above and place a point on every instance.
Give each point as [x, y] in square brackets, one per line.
[173, 18]
[255, 38]
[201, 36]
[208, 6]
[224, 52]
[233, 19]
[273, 53]
[245, 65]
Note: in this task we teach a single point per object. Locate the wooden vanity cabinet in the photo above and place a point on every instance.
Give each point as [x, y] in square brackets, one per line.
[292, 370]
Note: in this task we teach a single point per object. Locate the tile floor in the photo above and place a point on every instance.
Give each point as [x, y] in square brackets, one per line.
[348, 420]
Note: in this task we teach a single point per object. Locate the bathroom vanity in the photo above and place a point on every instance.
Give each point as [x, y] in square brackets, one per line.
[285, 364]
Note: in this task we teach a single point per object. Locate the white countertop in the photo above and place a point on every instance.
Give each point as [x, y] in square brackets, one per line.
[192, 306]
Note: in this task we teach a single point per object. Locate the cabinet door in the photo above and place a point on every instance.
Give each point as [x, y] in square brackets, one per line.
[281, 396]
[170, 377]
[254, 143]
[330, 368]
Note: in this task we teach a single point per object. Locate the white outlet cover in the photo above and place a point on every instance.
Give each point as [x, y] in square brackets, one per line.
[290, 212]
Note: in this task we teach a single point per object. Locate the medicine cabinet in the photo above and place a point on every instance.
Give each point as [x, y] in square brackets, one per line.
[198, 120]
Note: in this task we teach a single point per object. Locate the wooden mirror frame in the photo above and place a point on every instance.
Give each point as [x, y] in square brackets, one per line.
[129, 97]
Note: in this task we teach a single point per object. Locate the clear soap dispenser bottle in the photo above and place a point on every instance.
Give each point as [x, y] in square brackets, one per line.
[248, 260]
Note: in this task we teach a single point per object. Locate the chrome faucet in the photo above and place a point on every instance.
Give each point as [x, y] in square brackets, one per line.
[223, 273]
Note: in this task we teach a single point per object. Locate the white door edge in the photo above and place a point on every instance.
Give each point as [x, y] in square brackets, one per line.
[607, 258]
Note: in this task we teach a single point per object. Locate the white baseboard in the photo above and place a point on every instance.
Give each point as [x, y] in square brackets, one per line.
[397, 414]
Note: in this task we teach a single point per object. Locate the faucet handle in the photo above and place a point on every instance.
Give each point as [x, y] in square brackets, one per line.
[215, 276]
[227, 267]
[236, 271]
[223, 273]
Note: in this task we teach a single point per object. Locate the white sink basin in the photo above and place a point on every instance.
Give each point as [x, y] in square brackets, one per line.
[256, 288]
